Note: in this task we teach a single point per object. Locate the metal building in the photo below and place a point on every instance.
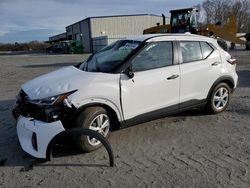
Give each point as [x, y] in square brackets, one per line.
[59, 37]
[97, 32]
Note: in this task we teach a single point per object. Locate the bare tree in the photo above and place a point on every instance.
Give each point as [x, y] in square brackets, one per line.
[219, 11]
[241, 9]
[208, 11]
[216, 10]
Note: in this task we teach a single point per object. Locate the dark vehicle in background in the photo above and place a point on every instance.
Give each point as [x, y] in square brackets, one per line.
[66, 47]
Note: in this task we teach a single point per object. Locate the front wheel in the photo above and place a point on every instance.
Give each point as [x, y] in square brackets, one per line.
[94, 118]
[219, 98]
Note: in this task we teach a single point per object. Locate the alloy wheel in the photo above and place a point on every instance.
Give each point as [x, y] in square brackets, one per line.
[220, 98]
[101, 124]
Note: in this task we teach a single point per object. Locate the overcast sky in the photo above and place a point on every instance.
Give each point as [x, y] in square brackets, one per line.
[26, 20]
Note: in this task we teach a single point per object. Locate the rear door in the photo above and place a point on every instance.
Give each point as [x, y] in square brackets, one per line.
[200, 67]
[154, 89]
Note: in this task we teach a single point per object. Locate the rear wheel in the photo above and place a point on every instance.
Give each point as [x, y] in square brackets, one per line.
[94, 118]
[219, 98]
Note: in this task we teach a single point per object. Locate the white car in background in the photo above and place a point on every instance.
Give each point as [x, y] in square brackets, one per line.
[128, 82]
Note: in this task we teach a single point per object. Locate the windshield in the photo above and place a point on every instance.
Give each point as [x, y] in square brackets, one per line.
[111, 56]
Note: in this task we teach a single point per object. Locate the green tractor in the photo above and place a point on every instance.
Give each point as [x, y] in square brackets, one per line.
[66, 47]
[75, 47]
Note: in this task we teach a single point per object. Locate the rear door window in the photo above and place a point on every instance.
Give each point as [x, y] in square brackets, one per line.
[190, 51]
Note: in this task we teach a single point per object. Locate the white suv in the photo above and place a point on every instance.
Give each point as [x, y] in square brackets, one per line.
[128, 82]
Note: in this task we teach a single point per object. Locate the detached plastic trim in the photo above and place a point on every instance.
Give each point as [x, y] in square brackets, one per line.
[77, 132]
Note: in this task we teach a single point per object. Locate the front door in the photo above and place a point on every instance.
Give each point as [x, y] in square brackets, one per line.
[155, 85]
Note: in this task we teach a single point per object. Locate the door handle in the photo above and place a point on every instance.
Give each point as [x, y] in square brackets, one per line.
[174, 76]
[215, 63]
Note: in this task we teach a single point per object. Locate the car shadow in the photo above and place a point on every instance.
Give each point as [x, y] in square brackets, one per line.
[50, 65]
[71, 165]
[244, 78]
[193, 112]
[10, 152]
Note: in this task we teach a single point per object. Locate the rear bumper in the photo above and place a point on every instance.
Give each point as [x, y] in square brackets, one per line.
[44, 132]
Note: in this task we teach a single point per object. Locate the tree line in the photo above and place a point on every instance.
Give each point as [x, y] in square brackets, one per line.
[218, 11]
[26, 46]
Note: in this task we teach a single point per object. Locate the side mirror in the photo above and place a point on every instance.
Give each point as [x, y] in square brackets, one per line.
[129, 72]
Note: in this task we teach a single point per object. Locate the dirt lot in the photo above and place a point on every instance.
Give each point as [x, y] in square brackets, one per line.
[192, 149]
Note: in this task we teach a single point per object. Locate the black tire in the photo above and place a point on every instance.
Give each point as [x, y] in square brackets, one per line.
[222, 44]
[211, 104]
[247, 36]
[248, 45]
[84, 120]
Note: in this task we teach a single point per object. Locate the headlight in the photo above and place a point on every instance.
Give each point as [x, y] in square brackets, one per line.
[55, 100]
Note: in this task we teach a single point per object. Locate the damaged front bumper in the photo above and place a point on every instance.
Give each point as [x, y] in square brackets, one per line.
[38, 124]
[37, 138]
[34, 135]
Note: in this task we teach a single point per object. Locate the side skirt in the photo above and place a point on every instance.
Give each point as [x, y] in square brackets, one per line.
[161, 113]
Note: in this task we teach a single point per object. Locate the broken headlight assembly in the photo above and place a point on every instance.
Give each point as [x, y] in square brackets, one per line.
[48, 109]
[55, 100]
[51, 108]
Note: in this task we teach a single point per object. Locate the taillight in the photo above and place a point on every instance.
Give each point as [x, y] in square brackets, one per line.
[232, 61]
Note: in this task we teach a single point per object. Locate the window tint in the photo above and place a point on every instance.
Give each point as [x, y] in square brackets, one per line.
[155, 55]
[206, 49]
[191, 51]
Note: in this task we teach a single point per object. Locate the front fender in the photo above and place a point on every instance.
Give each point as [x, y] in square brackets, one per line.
[100, 101]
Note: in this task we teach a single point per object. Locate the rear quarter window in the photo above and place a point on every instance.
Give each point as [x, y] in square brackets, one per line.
[206, 49]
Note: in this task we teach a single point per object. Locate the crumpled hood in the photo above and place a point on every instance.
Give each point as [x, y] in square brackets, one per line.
[57, 82]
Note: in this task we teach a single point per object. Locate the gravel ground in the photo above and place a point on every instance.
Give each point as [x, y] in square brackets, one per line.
[192, 149]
